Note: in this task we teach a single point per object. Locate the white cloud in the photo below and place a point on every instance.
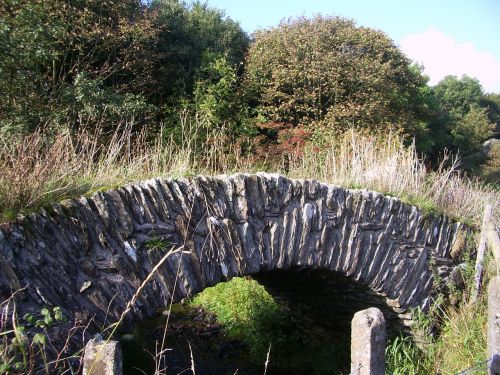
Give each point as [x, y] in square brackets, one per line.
[442, 55]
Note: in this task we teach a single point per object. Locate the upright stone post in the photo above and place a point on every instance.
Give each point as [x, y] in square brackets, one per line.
[102, 358]
[368, 342]
[494, 325]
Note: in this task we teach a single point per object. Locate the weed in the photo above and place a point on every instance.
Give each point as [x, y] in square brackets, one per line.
[404, 357]
[157, 243]
[450, 337]
[25, 344]
[459, 343]
[462, 342]
[388, 166]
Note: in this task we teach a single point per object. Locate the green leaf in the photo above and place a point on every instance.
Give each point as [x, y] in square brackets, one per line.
[18, 366]
[58, 315]
[39, 339]
[21, 330]
[18, 341]
[29, 318]
[48, 320]
[45, 312]
[4, 367]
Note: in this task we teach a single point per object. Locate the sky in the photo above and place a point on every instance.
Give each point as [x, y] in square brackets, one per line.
[447, 37]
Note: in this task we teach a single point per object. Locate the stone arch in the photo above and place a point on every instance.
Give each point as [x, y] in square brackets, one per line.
[90, 255]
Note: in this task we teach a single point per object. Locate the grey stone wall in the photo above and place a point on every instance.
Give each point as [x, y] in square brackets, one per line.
[90, 255]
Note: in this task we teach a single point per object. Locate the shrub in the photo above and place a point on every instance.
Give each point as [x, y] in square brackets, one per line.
[327, 71]
[248, 312]
[471, 130]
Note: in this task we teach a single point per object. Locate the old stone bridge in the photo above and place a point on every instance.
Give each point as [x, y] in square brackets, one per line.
[90, 255]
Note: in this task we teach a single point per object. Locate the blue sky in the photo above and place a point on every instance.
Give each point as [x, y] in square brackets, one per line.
[448, 37]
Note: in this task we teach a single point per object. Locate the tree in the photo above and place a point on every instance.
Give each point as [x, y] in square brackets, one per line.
[472, 130]
[466, 111]
[456, 96]
[214, 92]
[187, 34]
[492, 103]
[329, 72]
[49, 48]
[433, 134]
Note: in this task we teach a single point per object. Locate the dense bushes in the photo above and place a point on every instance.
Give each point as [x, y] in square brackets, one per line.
[466, 114]
[92, 91]
[68, 66]
[73, 63]
[98, 64]
[105, 72]
[327, 71]
[324, 75]
[88, 63]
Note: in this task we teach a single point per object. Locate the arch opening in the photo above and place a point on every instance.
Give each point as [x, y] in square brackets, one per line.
[309, 331]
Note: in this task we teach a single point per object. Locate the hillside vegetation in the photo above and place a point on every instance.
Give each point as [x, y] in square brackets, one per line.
[86, 64]
[99, 93]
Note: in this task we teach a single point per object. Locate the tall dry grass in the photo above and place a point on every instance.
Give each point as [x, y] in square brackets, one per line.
[42, 169]
[389, 166]
[45, 168]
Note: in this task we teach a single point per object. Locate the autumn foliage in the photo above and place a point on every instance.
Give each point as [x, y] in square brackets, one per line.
[326, 71]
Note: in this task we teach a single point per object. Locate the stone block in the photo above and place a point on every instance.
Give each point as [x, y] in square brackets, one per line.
[494, 325]
[102, 358]
[368, 342]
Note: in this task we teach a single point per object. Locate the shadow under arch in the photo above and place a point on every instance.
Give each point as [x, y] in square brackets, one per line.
[309, 326]
[328, 298]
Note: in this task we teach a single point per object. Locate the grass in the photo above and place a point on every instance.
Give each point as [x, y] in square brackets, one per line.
[157, 244]
[404, 357]
[490, 171]
[388, 166]
[42, 169]
[461, 344]
[487, 167]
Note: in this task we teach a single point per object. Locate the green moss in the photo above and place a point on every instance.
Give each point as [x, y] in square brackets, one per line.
[354, 186]
[103, 188]
[249, 313]
[429, 208]
[246, 311]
